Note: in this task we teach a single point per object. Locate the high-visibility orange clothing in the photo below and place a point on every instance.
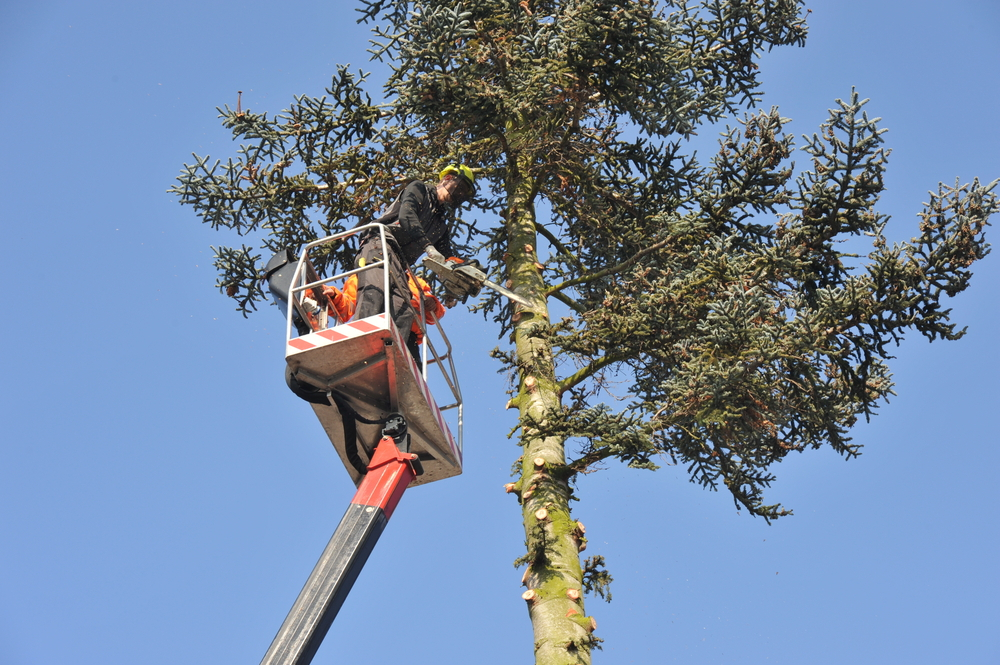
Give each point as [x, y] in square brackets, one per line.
[344, 302]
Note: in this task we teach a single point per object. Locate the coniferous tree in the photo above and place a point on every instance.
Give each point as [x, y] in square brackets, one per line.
[721, 290]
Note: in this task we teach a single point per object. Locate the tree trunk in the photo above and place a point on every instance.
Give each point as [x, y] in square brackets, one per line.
[563, 632]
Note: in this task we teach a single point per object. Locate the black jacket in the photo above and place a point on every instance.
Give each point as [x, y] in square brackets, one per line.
[417, 219]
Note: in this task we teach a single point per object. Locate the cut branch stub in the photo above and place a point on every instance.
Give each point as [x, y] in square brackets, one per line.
[539, 462]
[573, 594]
[530, 595]
[541, 514]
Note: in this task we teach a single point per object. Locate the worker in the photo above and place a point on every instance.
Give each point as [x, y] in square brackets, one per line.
[344, 304]
[415, 225]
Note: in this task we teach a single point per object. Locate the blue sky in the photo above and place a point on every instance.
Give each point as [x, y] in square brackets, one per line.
[163, 496]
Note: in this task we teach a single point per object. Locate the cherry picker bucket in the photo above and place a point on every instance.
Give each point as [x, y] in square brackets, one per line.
[357, 372]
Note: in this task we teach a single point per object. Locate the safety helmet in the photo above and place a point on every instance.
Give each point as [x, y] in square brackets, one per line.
[463, 172]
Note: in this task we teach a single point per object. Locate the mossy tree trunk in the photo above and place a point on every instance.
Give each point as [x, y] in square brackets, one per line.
[554, 576]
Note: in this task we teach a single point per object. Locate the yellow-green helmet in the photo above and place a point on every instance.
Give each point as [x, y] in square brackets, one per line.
[461, 171]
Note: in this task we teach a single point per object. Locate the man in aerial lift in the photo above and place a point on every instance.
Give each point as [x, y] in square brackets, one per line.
[416, 224]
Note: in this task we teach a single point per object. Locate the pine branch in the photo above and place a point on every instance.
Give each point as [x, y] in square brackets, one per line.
[569, 302]
[560, 247]
[607, 272]
[590, 370]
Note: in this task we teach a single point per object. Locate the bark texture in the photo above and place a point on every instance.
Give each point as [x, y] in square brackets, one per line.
[554, 577]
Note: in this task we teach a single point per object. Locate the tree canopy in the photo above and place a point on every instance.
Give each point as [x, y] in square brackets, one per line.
[730, 294]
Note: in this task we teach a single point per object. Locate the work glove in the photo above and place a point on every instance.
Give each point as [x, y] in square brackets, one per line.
[432, 253]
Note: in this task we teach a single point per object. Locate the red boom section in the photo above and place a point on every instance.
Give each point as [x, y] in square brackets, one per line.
[389, 474]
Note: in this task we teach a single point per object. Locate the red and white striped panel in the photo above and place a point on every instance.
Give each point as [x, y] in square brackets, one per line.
[336, 334]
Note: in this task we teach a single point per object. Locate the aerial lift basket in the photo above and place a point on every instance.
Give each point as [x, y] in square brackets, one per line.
[366, 364]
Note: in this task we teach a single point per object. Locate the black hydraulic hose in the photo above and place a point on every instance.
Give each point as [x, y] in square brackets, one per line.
[348, 415]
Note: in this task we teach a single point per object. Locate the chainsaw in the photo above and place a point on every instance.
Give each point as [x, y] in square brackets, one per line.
[462, 279]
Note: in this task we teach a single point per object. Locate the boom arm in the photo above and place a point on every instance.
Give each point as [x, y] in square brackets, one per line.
[307, 623]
